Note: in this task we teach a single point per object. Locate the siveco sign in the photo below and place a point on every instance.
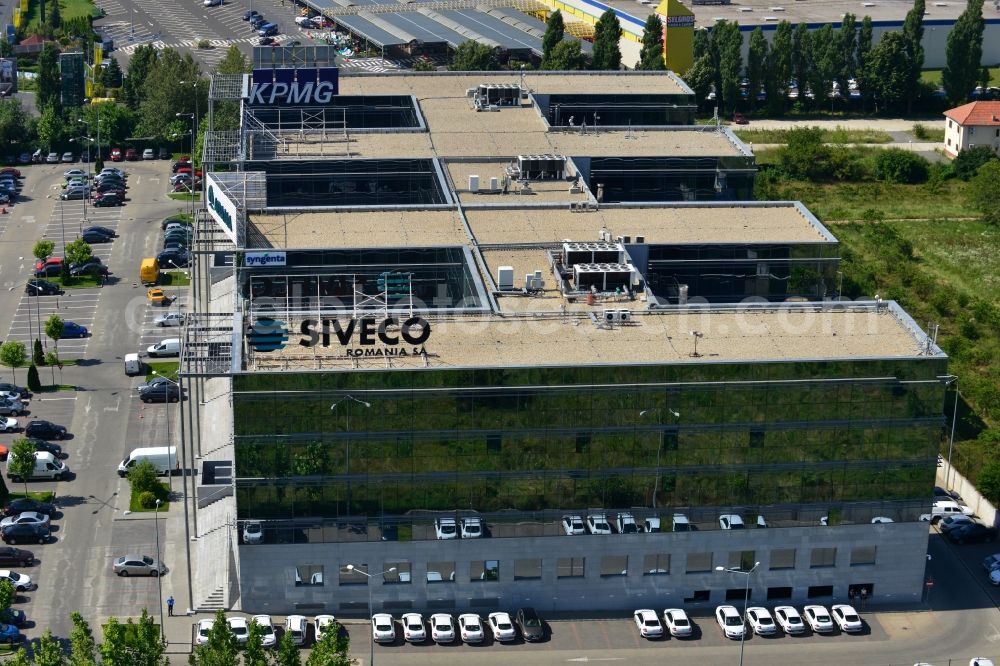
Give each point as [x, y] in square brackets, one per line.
[221, 207]
[367, 332]
[264, 259]
[310, 86]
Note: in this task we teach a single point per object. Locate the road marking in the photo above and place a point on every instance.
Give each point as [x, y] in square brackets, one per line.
[585, 659]
[115, 408]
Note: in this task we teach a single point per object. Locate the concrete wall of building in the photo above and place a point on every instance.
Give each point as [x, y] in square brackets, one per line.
[950, 478]
[268, 571]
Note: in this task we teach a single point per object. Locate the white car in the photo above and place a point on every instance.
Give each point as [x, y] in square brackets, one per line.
[383, 628]
[681, 523]
[253, 532]
[949, 523]
[761, 621]
[442, 628]
[268, 639]
[74, 173]
[677, 622]
[25, 518]
[8, 424]
[212, 3]
[980, 661]
[148, 154]
[170, 319]
[731, 521]
[573, 525]
[878, 520]
[446, 528]
[818, 618]
[470, 626]
[789, 620]
[204, 626]
[21, 582]
[846, 618]
[597, 523]
[321, 623]
[652, 525]
[729, 621]
[647, 623]
[503, 629]
[472, 528]
[413, 628]
[296, 625]
[944, 508]
[240, 629]
[626, 523]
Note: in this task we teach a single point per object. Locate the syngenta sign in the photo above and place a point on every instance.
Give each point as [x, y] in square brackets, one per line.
[373, 337]
[309, 86]
[264, 259]
[221, 207]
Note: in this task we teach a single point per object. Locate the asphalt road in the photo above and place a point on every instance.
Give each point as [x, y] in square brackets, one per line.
[74, 572]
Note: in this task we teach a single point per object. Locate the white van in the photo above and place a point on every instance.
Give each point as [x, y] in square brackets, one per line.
[164, 459]
[168, 347]
[133, 366]
[46, 467]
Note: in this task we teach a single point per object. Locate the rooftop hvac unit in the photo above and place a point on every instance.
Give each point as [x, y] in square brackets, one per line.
[505, 278]
[592, 253]
[610, 316]
[624, 316]
[473, 183]
[500, 93]
[603, 277]
[640, 240]
[539, 167]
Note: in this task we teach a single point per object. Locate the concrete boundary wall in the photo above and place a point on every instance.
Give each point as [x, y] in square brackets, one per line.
[950, 479]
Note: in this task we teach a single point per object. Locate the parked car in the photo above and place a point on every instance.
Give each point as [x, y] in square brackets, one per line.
[647, 623]
[165, 392]
[131, 155]
[729, 621]
[169, 319]
[45, 430]
[383, 628]
[49, 270]
[681, 523]
[74, 173]
[116, 155]
[445, 528]
[14, 617]
[107, 231]
[50, 261]
[22, 504]
[948, 523]
[470, 627]
[90, 270]
[92, 237]
[731, 521]
[846, 618]
[943, 508]
[10, 634]
[51, 447]
[502, 628]
[148, 154]
[11, 407]
[73, 330]
[52, 158]
[204, 627]
[818, 618]
[163, 154]
[68, 158]
[626, 523]
[532, 627]
[323, 624]
[413, 628]
[442, 628]
[15, 557]
[253, 13]
[651, 525]
[973, 533]
[761, 621]
[109, 199]
[677, 622]
[138, 565]
[25, 534]
[472, 527]
[269, 639]
[240, 629]
[26, 518]
[597, 523]
[296, 626]
[174, 258]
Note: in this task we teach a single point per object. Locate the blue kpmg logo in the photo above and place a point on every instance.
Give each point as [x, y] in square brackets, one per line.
[268, 335]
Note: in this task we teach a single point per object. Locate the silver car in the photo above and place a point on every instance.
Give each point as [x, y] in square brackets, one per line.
[138, 565]
[11, 407]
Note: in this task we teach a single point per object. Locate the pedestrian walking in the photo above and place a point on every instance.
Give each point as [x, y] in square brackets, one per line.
[170, 605]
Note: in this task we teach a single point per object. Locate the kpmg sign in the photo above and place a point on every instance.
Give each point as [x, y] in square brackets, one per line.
[304, 86]
[221, 207]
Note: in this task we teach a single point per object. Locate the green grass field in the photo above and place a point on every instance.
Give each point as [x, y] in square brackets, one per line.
[836, 135]
[68, 9]
[166, 369]
[174, 278]
[934, 76]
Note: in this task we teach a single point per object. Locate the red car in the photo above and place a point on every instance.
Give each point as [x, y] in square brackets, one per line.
[131, 155]
[51, 261]
[185, 186]
[12, 171]
[116, 154]
[740, 119]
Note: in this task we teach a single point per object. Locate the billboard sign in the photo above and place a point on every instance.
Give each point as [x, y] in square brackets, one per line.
[305, 86]
[8, 76]
[264, 259]
[221, 207]
[71, 72]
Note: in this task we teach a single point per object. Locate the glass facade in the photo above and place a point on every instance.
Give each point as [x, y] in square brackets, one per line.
[352, 112]
[536, 439]
[729, 273]
[672, 178]
[617, 110]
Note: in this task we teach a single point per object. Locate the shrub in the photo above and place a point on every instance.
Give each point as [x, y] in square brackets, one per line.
[34, 384]
[143, 478]
[37, 356]
[968, 161]
[872, 215]
[204, 44]
[147, 500]
[920, 131]
[894, 165]
[805, 156]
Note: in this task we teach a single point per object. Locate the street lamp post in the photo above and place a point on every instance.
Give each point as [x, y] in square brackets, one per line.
[746, 599]
[354, 569]
[349, 399]
[159, 578]
[659, 449]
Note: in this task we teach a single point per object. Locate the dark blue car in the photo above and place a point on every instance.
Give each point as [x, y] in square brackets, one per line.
[73, 330]
[14, 617]
[10, 634]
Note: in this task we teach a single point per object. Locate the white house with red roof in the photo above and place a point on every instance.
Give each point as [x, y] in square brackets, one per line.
[972, 124]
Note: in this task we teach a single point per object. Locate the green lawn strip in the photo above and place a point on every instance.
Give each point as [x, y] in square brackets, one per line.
[55, 388]
[173, 278]
[67, 9]
[136, 507]
[166, 369]
[934, 76]
[27, 361]
[41, 496]
[82, 282]
[185, 196]
[836, 135]
[848, 201]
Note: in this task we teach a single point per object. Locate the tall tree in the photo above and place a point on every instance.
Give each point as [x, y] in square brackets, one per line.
[234, 62]
[47, 650]
[288, 653]
[964, 53]
[651, 55]
[81, 640]
[555, 30]
[113, 75]
[982, 191]
[12, 354]
[51, 127]
[756, 65]
[7, 594]
[48, 85]
[138, 68]
[54, 20]
[890, 71]
[802, 59]
[14, 121]
[607, 32]
[700, 77]
[331, 649]
[728, 42]
[847, 43]
[566, 55]
[21, 460]
[865, 82]
[164, 99]
[701, 42]
[779, 67]
[471, 56]
[824, 63]
[254, 653]
[220, 649]
[913, 34]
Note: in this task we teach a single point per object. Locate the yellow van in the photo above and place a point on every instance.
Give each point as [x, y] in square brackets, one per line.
[149, 273]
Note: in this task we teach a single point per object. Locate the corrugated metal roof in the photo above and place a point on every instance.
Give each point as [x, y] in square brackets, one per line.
[426, 29]
[373, 33]
[493, 28]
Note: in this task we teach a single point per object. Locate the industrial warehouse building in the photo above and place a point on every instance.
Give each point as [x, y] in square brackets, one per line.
[424, 300]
